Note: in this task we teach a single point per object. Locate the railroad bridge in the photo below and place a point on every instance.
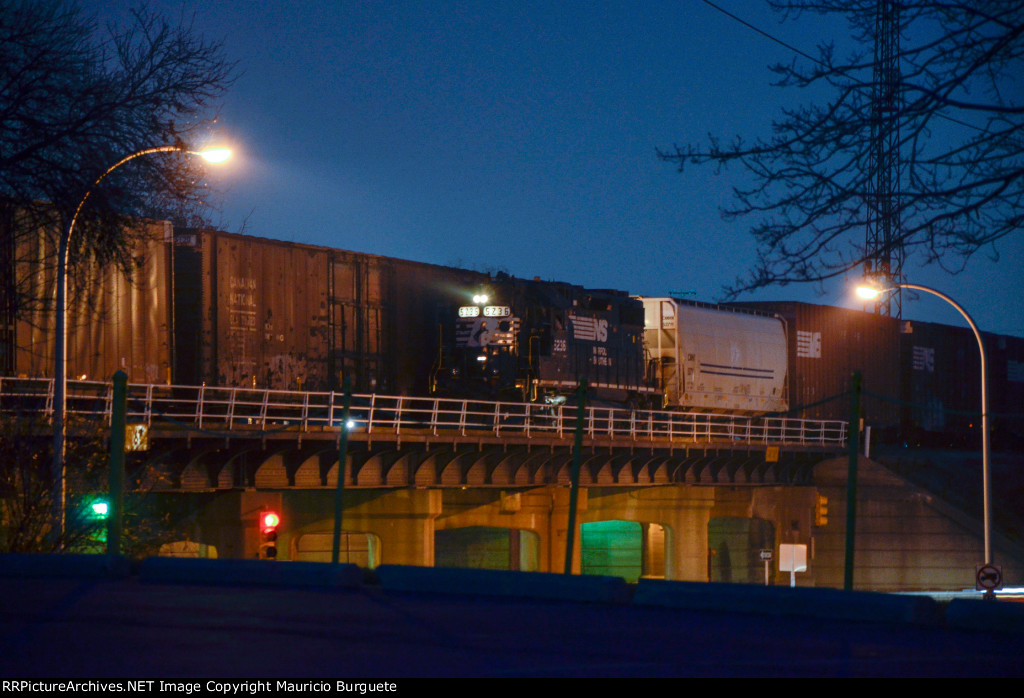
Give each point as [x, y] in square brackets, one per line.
[461, 482]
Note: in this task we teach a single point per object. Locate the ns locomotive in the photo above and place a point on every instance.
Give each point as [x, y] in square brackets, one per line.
[527, 340]
[534, 341]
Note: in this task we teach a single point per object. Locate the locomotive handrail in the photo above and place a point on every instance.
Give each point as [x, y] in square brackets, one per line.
[214, 408]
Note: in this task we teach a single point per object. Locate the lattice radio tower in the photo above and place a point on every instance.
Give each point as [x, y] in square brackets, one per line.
[884, 251]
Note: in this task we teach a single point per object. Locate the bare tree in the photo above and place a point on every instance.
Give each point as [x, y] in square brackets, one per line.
[153, 517]
[76, 103]
[958, 118]
[75, 98]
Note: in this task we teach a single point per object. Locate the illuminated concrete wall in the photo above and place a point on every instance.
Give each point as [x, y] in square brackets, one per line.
[401, 526]
[906, 539]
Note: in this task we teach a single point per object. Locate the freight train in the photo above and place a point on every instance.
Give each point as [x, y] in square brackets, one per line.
[215, 308]
[534, 340]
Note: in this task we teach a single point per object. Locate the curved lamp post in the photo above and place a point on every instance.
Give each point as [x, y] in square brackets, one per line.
[870, 293]
[213, 155]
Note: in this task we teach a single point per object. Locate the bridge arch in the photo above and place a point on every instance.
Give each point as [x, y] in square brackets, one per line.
[621, 548]
[355, 547]
[734, 546]
[487, 547]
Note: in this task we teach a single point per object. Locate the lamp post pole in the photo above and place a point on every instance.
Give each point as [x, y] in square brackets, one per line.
[867, 293]
[60, 357]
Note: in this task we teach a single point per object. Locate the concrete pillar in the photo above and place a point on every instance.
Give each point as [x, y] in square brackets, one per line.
[528, 510]
[404, 521]
[686, 534]
[557, 535]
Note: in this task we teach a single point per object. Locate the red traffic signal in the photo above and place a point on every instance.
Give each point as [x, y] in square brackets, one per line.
[269, 521]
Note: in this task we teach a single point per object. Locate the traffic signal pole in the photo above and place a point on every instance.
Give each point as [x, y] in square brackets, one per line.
[853, 437]
[342, 457]
[118, 420]
[574, 489]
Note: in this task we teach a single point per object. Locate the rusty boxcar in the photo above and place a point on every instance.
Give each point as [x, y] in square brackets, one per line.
[273, 314]
[114, 321]
[825, 346]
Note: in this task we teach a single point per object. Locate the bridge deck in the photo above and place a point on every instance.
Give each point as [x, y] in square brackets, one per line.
[206, 437]
[198, 411]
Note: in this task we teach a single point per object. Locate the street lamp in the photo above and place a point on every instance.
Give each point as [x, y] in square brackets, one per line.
[60, 358]
[868, 292]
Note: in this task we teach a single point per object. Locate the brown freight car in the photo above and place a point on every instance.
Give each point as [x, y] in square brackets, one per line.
[273, 314]
[825, 346]
[922, 380]
[114, 322]
[941, 386]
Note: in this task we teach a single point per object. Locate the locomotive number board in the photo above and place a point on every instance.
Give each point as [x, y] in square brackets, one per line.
[489, 311]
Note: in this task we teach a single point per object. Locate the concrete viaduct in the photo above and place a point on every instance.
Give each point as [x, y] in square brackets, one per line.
[431, 481]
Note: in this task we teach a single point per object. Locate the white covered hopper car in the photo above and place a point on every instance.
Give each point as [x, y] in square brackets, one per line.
[711, 359]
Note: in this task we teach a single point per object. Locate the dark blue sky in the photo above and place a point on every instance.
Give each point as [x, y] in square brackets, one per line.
[521, 136]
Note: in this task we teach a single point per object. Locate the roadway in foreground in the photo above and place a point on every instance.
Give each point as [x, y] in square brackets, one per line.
[128, 628]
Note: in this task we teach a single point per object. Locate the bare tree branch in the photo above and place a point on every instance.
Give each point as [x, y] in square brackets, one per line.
[75, 98]
[959, 116]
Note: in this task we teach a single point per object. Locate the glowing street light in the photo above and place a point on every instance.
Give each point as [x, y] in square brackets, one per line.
[870, 292]
[215, 155]
[60, 358]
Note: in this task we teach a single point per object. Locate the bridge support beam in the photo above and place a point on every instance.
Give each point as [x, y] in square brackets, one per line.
[400, 525]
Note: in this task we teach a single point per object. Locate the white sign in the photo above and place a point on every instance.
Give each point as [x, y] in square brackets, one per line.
[136, 437]
[808, 344]
[792, 558]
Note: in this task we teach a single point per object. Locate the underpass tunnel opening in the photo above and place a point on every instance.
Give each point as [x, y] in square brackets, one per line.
[626, 549]
[487, 547]
[354, 547]
[734, 549]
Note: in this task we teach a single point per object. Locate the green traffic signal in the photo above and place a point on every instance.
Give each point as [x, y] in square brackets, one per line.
[100, 509]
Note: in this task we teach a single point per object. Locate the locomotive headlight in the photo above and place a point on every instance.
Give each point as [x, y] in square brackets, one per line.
[482, 357]
[480, 298]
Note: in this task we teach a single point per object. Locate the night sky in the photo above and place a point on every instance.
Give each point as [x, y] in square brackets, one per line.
[521, 136]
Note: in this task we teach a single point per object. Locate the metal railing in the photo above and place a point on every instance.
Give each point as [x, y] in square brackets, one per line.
[217, 409]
